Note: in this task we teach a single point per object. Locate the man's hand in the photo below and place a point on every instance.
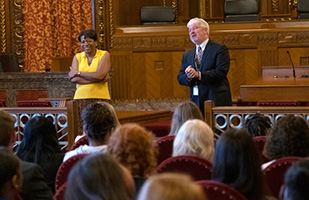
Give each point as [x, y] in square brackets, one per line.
[191, 72]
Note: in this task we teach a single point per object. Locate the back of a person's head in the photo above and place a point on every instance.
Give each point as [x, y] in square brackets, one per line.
[296, 181]
[6, 128]
[10, 173]
[194, 138]
[171, 186]
[99, 120]
[40, 137]
[288, 137]
[237, 163]
[132, 146]
[183, 112]
[98, 176]
[257, 125]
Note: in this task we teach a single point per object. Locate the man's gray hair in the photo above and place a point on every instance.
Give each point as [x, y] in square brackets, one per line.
[201, 21]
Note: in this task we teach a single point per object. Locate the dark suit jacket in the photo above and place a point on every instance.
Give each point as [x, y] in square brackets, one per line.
[34, 185]
[214, 67]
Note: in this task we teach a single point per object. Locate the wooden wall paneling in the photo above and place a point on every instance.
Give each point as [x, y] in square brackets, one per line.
[274, 10]
[121, 83]
[299, 56]
[268, 56]
[31, 94]
[252, 69]
[3, 96]
[214, 10]
[154, 66]
[139, 79]
[179, 91]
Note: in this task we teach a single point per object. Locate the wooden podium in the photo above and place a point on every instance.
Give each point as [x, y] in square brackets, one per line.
[278, 83]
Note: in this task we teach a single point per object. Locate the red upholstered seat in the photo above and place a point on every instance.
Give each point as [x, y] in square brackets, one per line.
[277, 103]
[160, 129]
[198, 168]
[82, 141]
[2, 103]
[219, 191]
[274, 173]
[33, 103]
[165, 148]
[260, 142]
[60, 193]
[65, 168]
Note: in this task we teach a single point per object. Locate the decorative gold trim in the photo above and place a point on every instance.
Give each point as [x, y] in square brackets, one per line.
[164, 3]
[2, 27]
[17, 30]
[175, 5]
[101, 24]
[111, 23]
[275, 5]
[202, 9]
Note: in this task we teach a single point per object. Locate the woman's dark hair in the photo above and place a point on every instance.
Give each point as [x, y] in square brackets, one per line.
[90, 33]
[289, 137]
[98, 120]
[9, 165]
[296, 181]
[237, 163]
[257, 125]
[97, 176]
[40, 141]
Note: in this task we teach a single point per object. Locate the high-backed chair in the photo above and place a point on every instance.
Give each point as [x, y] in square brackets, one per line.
[159, 129]
[216, 190]
[165, 148]
[82, 141]
[260, 143]
[158, 14]
[274, 173]
[277, 103]
[33, 103]
[303, 9]
[60, 193]
[65, 168]
[241, 10]
[198, 168]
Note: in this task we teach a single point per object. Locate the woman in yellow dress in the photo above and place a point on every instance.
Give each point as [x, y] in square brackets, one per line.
[90, 71]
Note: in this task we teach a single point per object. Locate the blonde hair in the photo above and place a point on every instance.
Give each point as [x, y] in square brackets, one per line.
[195, 138]
[201, 21]
[171, 186]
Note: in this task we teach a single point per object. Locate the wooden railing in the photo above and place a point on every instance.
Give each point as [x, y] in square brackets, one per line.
[235, 116]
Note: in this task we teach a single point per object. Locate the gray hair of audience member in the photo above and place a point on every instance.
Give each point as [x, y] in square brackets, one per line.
[99, 176]
[7, 129]
[201, 21]
[194, 138]
[257, 125]
[99, 120]
[296, 181]
[171, 186]
[183, 112]
[10, 173]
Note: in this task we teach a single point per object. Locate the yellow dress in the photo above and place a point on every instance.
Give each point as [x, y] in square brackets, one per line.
[91, 90]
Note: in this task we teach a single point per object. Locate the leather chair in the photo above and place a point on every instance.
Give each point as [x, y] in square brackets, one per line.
[303, 9]
[198, 168]
[274, 173]
[158, 14]
[260, 143]
[65, 168]
[241, 10]
[216, 190]
[164, 146]
[82, 141]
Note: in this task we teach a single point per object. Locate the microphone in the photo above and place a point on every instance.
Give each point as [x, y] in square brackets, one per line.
[292, 64]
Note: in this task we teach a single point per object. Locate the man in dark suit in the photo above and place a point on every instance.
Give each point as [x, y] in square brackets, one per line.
[34, 185]
[204, 68]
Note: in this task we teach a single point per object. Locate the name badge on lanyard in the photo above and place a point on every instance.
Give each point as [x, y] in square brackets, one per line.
[195, 91]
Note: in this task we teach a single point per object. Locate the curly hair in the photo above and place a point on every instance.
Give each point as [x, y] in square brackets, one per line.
[132, 146]
[257, 125]
[289, 137]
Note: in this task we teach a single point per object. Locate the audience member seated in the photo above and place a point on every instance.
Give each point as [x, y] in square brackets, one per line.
[40, 145]
[288, 137]
[171, 186]
[10, 175]
[99, 176]
[237, 163]
[34, 185]
[257, 125]
[296, 181]
[194, 138]
[99, 121]
[183, 112]
[132, 146]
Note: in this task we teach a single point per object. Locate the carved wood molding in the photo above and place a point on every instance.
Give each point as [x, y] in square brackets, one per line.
[3, 42]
